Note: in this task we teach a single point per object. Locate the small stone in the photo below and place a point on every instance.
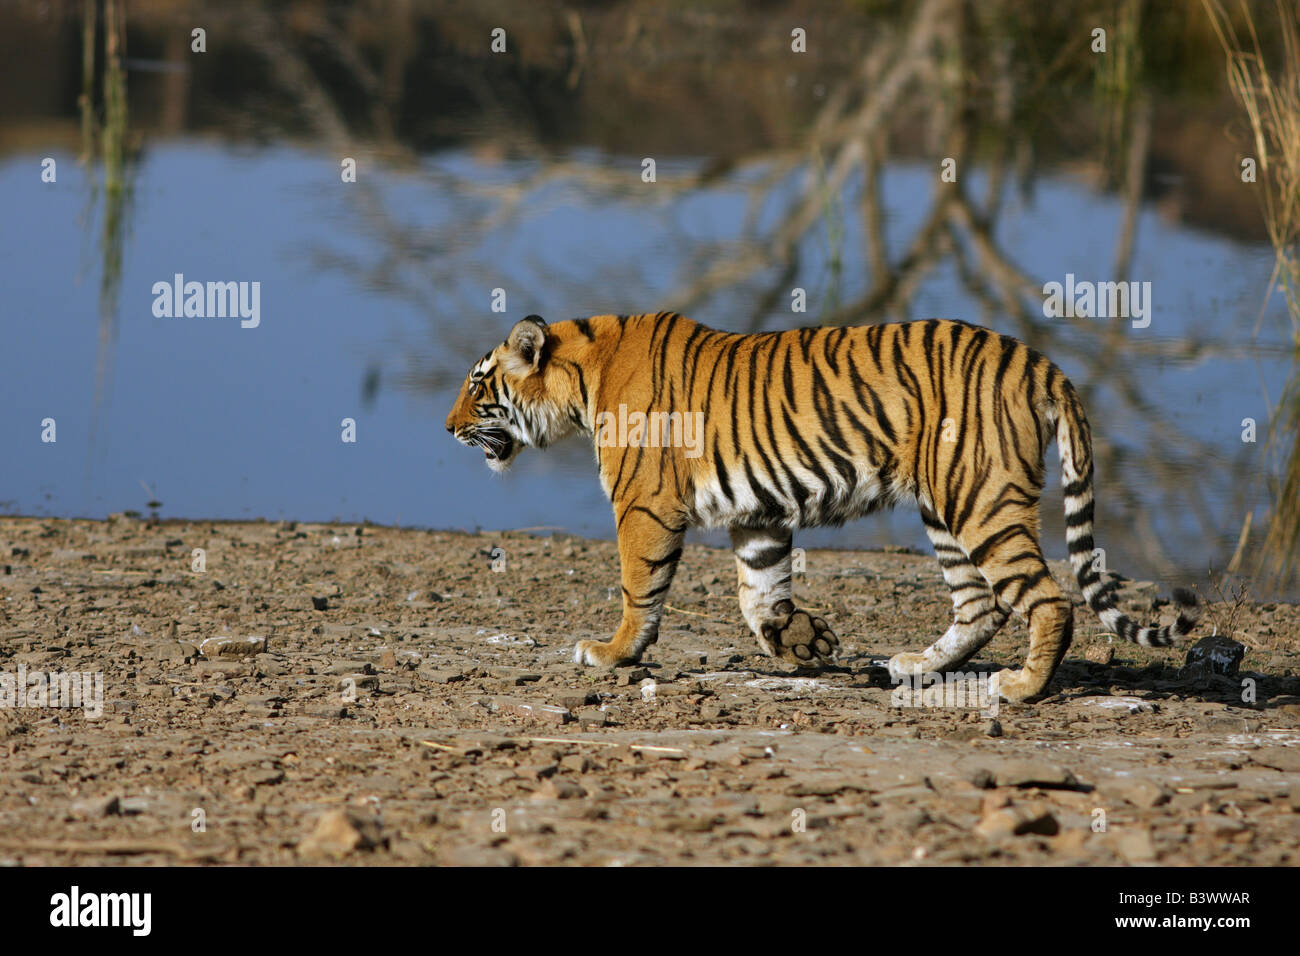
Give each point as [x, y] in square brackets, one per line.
[350, 668]
[993, 729]
[1142, 793]
[262, 706]
[1136, 846]
[98, 807]
[575, 763]
[437, 676]
[1224, 724]
[221, 667]
[514, 675]
[983, 778]
[1034, 773]
[1071, 842]
[549, 713]
[711, 710]
[167, 651]
[215, 647]
[341, 832]
[591, 717]
[1018, 821]
[557, 788]
[1100, 653]
[1286, 759]
[1218, 825]
[479, 856]
[1216, 654]
[358, 682]
[320, 602]
[992, 802]
[132, 806]
[691, 824]
[576, 699]
[326, 711]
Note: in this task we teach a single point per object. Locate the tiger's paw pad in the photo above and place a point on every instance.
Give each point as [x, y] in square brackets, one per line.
[598, 654]
[801, 639]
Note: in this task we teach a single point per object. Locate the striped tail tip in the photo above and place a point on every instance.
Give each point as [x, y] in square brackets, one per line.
[1189, 611]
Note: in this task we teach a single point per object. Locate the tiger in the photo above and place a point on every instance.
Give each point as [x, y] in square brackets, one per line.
[814, 427]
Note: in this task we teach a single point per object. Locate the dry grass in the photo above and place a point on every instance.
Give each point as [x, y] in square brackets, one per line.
[1270, 96]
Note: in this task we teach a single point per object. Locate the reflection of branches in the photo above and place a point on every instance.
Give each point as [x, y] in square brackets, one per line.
[117, 160]
[929, 75]
[851, 130]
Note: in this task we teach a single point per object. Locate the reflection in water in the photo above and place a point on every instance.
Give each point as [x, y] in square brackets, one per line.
[775, 171]
[114, 160]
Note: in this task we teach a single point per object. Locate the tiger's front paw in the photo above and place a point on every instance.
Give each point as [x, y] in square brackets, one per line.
[600, 654]
[908, 667]
[1014, 686]
[799, 638]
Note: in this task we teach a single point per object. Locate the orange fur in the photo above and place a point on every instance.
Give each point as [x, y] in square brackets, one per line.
[812, 427]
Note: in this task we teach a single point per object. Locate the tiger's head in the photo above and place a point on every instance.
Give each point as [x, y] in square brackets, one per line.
[512, 398]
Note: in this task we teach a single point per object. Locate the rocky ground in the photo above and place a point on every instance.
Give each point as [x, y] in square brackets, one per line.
[373, 695]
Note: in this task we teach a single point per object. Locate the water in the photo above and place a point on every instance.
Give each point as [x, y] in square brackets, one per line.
[376, 296]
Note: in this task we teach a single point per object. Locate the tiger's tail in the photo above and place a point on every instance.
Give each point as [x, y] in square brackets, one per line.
[1074, 440]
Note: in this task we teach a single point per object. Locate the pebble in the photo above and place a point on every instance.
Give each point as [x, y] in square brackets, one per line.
[557, 788]
[214, 647]
[548, 713]
[1224, 724]
[1216, 654]
[1033, 773]
[1286, 759]
[1139, 792]
[349, 668]
[1099, 653]
[575, 763]
[341, 832]
[576, 699]
[1018, 821]
[1136, 846]
[439, 676]
[514, 675]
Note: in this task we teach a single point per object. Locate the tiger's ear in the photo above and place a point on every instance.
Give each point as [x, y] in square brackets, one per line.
[525, 345]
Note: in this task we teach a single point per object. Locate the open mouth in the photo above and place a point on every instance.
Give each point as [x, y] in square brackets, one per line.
[497, 445]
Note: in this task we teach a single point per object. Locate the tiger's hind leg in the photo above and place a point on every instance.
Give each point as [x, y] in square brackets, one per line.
[977, 614]
[784, 631]
[1010, 560]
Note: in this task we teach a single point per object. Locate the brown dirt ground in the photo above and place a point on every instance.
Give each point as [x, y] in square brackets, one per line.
[412, 705]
